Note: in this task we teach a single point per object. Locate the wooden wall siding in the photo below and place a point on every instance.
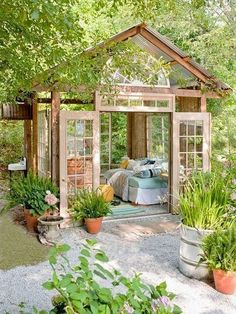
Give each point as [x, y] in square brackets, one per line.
[55, 113]
[16, 111]
[137, 135]
[35, 132]
[28, 143]
[189, 104]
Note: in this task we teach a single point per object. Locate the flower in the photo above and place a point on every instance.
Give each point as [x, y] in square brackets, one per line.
[161, 302]
[50, 198]
[234, 181]
[128, 309]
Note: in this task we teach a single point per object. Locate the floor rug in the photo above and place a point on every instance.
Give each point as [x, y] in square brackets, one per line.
[125, 210]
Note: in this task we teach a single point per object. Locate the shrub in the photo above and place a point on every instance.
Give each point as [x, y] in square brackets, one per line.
[81, 292]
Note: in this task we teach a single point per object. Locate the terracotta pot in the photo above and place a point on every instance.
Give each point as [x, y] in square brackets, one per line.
[225, 282]
[93, 225]
[31, 221]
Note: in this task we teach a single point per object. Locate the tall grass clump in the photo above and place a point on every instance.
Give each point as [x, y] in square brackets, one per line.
[204, 203]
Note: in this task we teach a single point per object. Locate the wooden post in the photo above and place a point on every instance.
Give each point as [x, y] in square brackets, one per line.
[203, 105]
[55, 114]
[35, 132]
[129, 134]
[28, 144]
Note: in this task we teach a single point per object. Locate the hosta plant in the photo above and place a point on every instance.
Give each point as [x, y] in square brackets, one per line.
[88, 286]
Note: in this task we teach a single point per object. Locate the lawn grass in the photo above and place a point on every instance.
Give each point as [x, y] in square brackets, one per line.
[17, 247]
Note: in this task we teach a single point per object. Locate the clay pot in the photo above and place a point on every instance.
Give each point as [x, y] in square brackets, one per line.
[31, 222]
[225, 281]
[93, 225]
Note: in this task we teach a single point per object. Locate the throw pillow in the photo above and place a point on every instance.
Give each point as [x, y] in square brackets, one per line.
[124, 164]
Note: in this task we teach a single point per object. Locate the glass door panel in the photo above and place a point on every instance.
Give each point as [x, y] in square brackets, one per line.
[79, 153]
[79, 140]
[190, 147]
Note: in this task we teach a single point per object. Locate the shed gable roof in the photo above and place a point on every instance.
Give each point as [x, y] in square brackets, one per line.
[151, 40]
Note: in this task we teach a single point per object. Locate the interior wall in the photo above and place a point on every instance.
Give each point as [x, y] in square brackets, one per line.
[136, 135]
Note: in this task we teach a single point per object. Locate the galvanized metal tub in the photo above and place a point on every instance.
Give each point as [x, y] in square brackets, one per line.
[190, 253]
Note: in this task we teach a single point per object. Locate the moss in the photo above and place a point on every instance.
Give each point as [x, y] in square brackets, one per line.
[17, 247]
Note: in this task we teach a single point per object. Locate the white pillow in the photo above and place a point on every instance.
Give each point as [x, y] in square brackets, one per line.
[142, 168]
[164, 167]
[132, 164]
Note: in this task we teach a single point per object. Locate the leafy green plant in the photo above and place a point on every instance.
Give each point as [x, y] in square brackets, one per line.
[31, 191]
[219, 249]
[88, 203]
[204, 204]
[80, 290]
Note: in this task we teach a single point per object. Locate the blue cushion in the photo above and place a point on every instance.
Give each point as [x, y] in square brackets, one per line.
[147, 183]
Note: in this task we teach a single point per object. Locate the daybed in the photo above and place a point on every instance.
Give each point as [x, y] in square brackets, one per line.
[139, 186]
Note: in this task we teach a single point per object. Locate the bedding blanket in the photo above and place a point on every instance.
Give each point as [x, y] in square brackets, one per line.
[120, 183]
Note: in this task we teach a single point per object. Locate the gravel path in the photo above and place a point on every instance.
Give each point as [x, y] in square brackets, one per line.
[155, 256]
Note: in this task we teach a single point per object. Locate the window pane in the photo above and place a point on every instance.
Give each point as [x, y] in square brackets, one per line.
[191, 161]
[199, 127]
[199, 161]
[183, 144]
[191, 141]
[183, 128]
[183, 160]
[191, 128]
[199, 144]
[79, 153]
[88, 128]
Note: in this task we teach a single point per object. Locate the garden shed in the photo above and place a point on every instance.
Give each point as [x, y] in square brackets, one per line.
[164, 123]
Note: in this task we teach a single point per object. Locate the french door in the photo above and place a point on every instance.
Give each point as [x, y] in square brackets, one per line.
[190, 147]
[79, 153]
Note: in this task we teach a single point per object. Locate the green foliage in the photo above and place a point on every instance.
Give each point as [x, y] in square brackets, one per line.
[80, 290]
[226, 164]
[219, 249]
[119, 137]
[68, 27]
[30, 192]
[224, 131]
[204, 202]
[88, 203]
[11, 142]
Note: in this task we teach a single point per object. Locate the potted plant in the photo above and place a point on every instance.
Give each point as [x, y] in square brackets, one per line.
[91, 206]
[31, 193]
[219, 252]
[51, 220]
[203, 207]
